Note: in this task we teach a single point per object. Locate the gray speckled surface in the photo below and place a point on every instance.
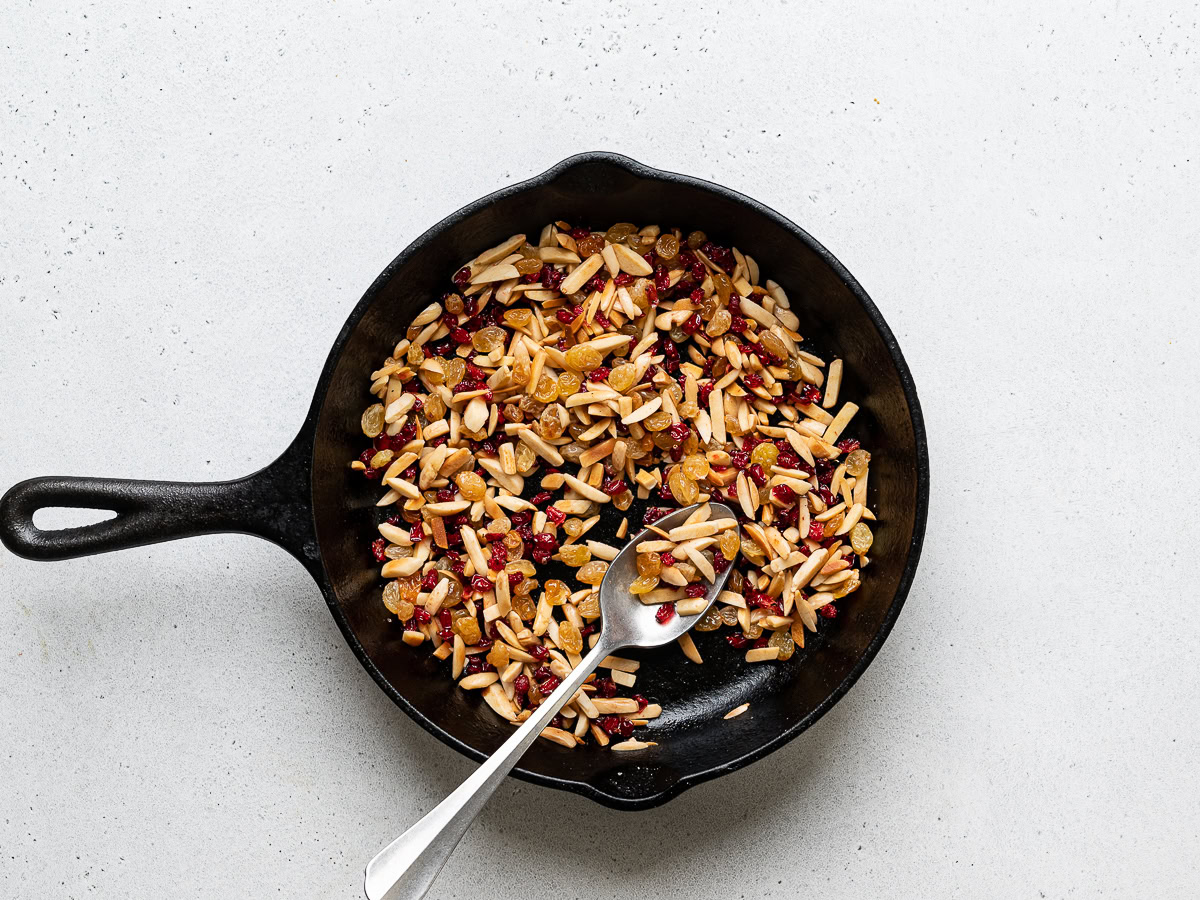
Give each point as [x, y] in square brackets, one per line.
[194, 197]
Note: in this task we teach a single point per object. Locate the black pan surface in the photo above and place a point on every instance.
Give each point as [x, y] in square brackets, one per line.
[312, 504]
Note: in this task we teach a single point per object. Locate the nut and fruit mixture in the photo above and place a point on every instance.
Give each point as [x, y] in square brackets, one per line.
[587, 368]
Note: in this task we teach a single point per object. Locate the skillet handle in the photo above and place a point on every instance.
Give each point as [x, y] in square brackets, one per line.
[272, 503]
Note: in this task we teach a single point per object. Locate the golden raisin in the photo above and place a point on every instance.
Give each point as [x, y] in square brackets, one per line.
[569, 637]
[622, 377]
[470, 485]
[467, 628]
[849, 586]
[649, 564]
[372, 420]
[765, 455]
[524, 606]
[773, 344]
[528, 265]
[695, 239]
[557, 592]
[782, 640]
[583, 358]
[517, 317]
[488, 339]
[546, 390]
[623, 500]
[551, 421]
[526, 457]
[592, 572]
[435, 408]
[667, 246]
[643, 584]
[857, 462]
[498, 655]
[710, 621]
[683, 488]
[695, 467]
[861, 538]
[568, 384]
[590, 245]
[574, 554]
[719, 324]
[454, 370]
[589, 607]
[723, 286]
[729, 544]
[657, 421]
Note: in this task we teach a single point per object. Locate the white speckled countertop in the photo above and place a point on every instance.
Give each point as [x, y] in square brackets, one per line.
[194, 197]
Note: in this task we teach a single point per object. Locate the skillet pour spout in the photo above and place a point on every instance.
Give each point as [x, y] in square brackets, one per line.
[309, 502]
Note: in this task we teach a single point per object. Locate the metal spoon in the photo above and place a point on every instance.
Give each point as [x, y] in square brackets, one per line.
[406, 868]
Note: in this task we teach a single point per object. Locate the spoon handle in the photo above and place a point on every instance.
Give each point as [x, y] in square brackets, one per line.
[406, 868]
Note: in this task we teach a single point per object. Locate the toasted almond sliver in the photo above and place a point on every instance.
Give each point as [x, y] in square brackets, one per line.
[689, 648]
[558, 736]
[478, 680]
[736, 711]
[623, 678]
[631, 262]
[618, 706]
[632, 744]
[852, 518]
[621, 663]
[643, 412]
[582, 487]
[762, 654]
[579, 277]
[540, 447]
[691, 606]
[497, 253]
[496, 273]
[834, 429]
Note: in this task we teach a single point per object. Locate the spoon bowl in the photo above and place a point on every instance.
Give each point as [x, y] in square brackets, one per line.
[625, 621]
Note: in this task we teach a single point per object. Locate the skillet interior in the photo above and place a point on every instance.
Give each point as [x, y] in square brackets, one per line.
[695, 743]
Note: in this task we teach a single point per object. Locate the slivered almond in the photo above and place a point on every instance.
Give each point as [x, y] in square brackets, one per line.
[540, 447]
[643, 412]
[614, 706]
[631, 262]
[496, 273]
[761, 654]
[585, 489]
[834, 429]
[736, 711]
[584, 271]
[478, 680]
[497, 253]
[688, 646]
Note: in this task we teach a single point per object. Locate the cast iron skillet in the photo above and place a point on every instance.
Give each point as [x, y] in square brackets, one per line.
[310, 503]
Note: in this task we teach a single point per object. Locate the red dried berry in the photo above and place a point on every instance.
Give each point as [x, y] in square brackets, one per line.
[828, 611]
[539, 652]
[737, 640]
[377, 547]
[521, 684]
[614, 486]
[816, 531]
[695, 590]
[783, 493]
[665, 613]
